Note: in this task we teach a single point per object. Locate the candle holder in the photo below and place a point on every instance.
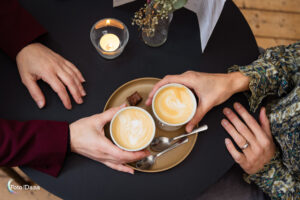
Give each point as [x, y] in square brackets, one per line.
[109, 36]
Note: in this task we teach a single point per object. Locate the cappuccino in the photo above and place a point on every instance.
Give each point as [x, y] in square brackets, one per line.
[132, 128]
[174, 105]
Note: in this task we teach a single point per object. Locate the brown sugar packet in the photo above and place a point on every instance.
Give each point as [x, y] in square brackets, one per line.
[134, 99]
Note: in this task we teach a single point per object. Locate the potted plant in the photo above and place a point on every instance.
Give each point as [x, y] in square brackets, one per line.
[154, 18]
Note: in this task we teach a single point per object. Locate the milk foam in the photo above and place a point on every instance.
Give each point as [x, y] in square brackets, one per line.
[132, 128]
[174, 104]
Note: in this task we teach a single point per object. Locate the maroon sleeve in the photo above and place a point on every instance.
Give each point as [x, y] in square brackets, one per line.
[17, 27]
[41, 145]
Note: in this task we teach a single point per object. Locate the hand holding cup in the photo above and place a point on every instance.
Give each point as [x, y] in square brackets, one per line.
[211, 89]
[88, 139]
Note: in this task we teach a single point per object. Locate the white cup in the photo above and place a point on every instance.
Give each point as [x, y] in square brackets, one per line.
[165, 125]
[152, 134]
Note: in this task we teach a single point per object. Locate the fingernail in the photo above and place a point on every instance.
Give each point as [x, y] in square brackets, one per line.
[189, 128]
[226, 111]
[147, 102]
[123, 105]
[80, 101]
[224, 122]
[83, 93]
[237, 105]
[227, 141]
[40, 104]
[131, 172]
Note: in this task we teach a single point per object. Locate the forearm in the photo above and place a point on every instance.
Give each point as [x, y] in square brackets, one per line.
[239, 82]
[38, 144]
[18, 27]
[273, 73]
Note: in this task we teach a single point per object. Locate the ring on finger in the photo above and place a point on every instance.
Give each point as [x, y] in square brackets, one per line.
[245, 146]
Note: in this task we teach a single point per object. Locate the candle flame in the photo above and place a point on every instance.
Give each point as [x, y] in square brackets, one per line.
[109, 47]
[107, 22]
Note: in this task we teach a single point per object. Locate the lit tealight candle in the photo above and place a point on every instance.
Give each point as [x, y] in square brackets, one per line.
[109, 42]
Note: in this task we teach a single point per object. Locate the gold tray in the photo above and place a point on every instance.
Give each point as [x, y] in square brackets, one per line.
[144, 86]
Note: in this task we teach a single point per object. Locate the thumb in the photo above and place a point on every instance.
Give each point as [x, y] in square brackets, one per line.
[107, 116]
[120, 167]
[35, 92]
[264, 121]
[200, 112]
[154, 89]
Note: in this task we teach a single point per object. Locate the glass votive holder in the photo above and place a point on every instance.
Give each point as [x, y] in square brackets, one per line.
[109, 36]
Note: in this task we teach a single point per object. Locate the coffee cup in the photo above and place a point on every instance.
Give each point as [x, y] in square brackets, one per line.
[173, 106]
[132, 128]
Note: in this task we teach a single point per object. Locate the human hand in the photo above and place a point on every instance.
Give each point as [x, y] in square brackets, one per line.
[36, 62]
[88, 139]
[211, 89]
[261, 148]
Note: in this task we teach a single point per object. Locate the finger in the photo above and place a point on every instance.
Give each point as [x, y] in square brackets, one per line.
[76, 79]
[200, 113]
[35, 92]
[60, 89]
[186, 79]
[107, 116]
[236, 155]
[159, 84]
[250, 121]
[264, 121]
[166, 80]
[239, 126]
[120, 167]
[72, 86]
[239, 140]
[121, 155]
[77, 72]
[127, 156]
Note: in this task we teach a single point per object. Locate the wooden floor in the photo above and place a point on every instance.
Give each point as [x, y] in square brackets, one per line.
[274, 22]
[22, 194]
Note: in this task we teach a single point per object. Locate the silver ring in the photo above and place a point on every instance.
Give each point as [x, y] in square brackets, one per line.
[245, 146]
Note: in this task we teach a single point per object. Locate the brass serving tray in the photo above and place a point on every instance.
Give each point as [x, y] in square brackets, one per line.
[144, 86]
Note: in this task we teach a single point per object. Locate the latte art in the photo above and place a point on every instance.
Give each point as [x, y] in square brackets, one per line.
[174, 104]
[132, 128]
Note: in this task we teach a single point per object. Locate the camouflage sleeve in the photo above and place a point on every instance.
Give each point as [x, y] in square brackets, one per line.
[276, 180]
[273, 73]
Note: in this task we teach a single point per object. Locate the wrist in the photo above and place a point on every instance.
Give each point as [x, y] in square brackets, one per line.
[238, 82]
[24, 50]
[69, 142]
[72, 139]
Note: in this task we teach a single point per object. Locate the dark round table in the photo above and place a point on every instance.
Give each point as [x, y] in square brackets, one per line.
[69, 23]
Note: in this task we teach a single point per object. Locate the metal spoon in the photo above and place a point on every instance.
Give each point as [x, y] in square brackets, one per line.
[147, 163]
[161, 143]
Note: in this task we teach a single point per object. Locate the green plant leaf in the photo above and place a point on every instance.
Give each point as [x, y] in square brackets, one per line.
[179, 4]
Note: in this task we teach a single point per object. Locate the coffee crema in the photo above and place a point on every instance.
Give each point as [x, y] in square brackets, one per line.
[132, 129]
[174, 104]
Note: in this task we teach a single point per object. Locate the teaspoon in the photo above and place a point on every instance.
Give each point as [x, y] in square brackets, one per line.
[147, 163]
[162, 143]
